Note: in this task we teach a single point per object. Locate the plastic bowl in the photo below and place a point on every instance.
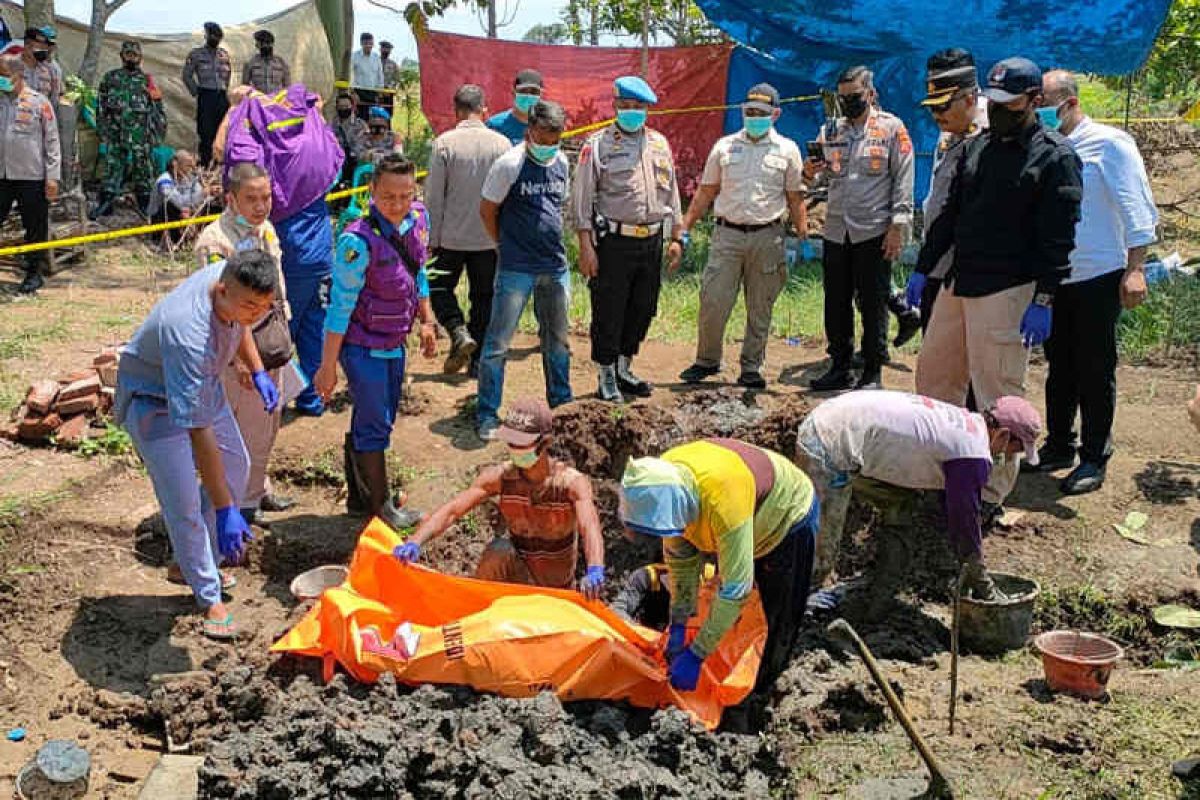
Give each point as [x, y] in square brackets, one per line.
[993, 628]
[312, 584]
[1078, 663]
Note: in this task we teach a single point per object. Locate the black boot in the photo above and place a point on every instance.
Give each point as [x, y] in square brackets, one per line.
[103, 206]
[910, 323]
[608, 390]
[629, 383]
[33, 281]
[372, 467]
[836, 379]
[356, 503]
[462, 348]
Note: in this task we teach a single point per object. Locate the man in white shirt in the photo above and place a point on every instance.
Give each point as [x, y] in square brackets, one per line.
[1117, 223]
[366, 75]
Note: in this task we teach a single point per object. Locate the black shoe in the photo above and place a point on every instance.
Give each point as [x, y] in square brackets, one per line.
[1087, 477]
[629, 384]
[698, 372]
[870, 380]
[33, 281]
[1051, 458]
[462, 348]
[607, 389]
[858, 362]
[836, 379]
[910, 323]
[752, 380]
[276, 502]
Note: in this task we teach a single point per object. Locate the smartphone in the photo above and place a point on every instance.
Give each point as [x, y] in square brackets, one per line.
[815, 150]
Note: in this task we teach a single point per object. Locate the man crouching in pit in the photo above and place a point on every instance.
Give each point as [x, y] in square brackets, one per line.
[545, 505]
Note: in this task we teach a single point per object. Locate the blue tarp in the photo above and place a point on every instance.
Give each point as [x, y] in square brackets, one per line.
[800, 46]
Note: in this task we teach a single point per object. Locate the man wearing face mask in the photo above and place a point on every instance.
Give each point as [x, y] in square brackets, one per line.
[1117, 223]
[42, 75]
[266, 71]
[527, 90]
[131, 123]
[756, 177]
[624, 204]
[546, 507]
[206, 75]
[366, 75]
[351, 133]
[30, 163]
[391, 77]
[868, 162]
[1010, 217]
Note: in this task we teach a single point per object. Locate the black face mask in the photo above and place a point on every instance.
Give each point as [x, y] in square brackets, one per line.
[344, 113]
[213, 42]
[853, 105]
[131, 64]
[41, 55]
[266, 52]
[1005, 122]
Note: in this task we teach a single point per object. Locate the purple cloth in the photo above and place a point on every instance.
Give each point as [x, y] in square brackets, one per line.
[387, 303]
[289, 138]
[965, 479]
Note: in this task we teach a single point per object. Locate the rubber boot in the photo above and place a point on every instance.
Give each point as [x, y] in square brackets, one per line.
[608, 390]
[372, 468]
[462, 347]
[979, 585]
[629, 383]
[356, 502]
[103, 206]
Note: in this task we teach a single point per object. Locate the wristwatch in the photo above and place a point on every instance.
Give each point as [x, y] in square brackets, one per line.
[1044, 299]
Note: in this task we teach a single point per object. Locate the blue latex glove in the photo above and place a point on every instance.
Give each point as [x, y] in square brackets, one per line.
[408, 553]
[1035, 325]
[266, 390]
[685, 671]
[914, 290]
[592, 582]
[685, 239]
[232, 532]
[676, 641]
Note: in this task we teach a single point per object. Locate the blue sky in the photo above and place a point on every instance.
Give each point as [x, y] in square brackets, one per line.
[157, 16]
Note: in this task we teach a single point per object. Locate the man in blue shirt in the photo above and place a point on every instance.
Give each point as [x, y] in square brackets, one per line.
[171, 401]
[522, 210]
[527, 90]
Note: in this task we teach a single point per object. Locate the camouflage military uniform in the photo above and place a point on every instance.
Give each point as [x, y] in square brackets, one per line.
[132, 123]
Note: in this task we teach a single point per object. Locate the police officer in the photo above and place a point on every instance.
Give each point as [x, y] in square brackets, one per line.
[266, 71]
[131, 123]
[755, 176]
[206, 74]
[41, 74]
[868, 162]
[30, 162]
[624, 196]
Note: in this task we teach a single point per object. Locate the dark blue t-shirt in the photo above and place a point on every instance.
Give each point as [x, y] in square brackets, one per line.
[507, 124]
[531, 198]
[306, 239]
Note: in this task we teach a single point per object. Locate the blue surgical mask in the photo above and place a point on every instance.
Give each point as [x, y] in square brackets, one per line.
[6, 84]
[542, 153]
[631, 120]
[1049, 117]
[757, 127]
[245, 223]
[523, 459]
[525, 102]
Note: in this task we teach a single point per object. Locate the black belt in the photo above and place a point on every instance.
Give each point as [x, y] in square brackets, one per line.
[745, 228]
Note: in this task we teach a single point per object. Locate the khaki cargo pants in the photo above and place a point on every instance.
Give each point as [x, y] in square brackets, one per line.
[751, 262]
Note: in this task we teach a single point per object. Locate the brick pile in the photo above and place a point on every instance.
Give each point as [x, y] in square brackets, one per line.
[65, 409]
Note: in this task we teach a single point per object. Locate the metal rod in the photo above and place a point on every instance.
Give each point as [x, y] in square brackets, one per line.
[958, 587]
[939, 786]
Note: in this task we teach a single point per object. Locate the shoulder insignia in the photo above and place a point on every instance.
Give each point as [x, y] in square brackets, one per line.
[585, 155]
[905, 141]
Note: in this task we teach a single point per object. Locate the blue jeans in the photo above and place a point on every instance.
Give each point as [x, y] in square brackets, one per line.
[376, 386]
[308, 297]
[551, 303]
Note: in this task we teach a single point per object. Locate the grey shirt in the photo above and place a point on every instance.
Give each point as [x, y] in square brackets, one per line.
[207, 68]
[458, 166]
[29, 143]
[267, 75]
[870, 172]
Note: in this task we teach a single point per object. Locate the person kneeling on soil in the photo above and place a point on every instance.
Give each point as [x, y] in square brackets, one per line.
[881, 443]
[645, 596]
[169, 398]
[379, 288]
[752, 507]
[545, 504]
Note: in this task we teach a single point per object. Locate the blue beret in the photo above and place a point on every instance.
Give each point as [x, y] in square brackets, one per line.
[378, 112]
[631, 87]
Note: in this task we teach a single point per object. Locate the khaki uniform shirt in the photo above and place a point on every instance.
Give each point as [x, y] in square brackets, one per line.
[870, 172]
[29, 145]
[351, 135]
[45, 78]
[458, 166]
[267, 76]
[754, 177]
[221, 239]
[626, 178]
[206, 68]
[391, 74]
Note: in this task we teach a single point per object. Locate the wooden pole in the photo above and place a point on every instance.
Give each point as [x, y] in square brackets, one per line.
[491, 24]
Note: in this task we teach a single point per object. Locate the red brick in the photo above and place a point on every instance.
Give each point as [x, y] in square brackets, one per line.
[77, 375]
[73, 430]
[108, 374]
[105, 357]
[79, 405]
[36, 429]
[84, 387]
[41, 396]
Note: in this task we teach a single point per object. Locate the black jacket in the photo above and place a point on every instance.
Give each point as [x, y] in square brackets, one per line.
[1010, 215]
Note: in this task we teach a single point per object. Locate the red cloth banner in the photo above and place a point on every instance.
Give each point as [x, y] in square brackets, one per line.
[580, 78]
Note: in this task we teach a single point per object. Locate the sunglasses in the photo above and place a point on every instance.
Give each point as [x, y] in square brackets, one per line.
[942, 108]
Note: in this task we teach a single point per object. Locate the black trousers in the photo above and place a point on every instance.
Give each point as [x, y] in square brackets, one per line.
[783, 577]
[366, 99]
[856, 273]
[624, 295]
[211, 105]
[30, 197]
[1082, 357]
[481, 277]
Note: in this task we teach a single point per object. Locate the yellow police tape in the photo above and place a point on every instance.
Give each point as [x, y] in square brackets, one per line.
[159, 227]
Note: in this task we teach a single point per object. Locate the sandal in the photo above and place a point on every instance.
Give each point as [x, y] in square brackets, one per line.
[175, 575]
[220, 629]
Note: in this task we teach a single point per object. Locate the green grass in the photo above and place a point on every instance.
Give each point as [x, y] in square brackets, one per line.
[1169, 318]
[113, 442]
[1089, 608]
[25, 343]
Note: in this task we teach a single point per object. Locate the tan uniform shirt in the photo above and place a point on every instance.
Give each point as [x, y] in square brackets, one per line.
[268, 76]
[626, 178]
[45, 78]
[206, 68]
[29, 143]
[870, 172]
[391, 74]
[221, 239]
[754, 177]
[458, 166]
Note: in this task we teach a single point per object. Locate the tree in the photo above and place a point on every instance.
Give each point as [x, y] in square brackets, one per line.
[38, 13]
[337, 17]
[418, 12]
[1174, 64]
[549, 33]
[101, 11]
[680, 22]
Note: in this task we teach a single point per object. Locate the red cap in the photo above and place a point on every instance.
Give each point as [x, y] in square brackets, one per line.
[528, 420]
[1021, 419]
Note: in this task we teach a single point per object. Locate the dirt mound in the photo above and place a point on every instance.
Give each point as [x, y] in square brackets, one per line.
[777, 431]
[598, 438]
[346, 740]
[726, 412]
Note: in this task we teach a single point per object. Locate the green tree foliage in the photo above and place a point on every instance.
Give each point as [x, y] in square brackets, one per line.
[550, 33]
[1172, 72]
[679, 22]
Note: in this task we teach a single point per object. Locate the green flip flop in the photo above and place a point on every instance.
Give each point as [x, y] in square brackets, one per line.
[220, 629]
